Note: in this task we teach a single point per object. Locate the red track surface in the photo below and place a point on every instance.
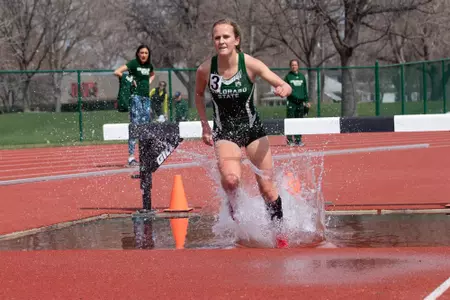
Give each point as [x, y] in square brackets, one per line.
[359, 180]
[224, 274]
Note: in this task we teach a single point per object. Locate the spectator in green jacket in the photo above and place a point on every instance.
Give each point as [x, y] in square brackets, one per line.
[181, 108]
[141, 74]
[297, 105]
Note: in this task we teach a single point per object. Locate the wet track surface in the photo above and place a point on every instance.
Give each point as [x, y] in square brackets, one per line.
[155, 232]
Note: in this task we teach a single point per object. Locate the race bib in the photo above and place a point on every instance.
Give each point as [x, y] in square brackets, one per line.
[215, 82]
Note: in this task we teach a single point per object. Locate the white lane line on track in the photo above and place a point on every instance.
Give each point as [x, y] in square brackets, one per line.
[93, 165]
[101, 150]
[74, 166]
[441, 146]
[117, 158]
[353, 150]
[50, 157]
[193, 164]
[439, 290]
[94, 160]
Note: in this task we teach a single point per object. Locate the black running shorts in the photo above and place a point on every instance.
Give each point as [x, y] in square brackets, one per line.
[240, 133]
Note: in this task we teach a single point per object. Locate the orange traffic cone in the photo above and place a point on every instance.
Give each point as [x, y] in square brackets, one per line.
[179, 230]
[178, 202]
[293, 184]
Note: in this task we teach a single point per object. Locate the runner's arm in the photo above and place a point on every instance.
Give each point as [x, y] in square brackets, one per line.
[200, 85]
[258, 68]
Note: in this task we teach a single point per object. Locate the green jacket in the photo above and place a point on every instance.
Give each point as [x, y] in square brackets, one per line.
[181, 110]
[123, 97]
[299, 87]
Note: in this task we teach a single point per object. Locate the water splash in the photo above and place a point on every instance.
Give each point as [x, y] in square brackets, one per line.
[298, 177]
[299, 182]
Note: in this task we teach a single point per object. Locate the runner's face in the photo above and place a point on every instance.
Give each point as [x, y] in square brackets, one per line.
[143, 55]
[225, 41]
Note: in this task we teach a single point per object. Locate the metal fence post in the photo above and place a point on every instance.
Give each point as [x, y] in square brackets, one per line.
[80, 116]
[444, 87]
[424, 87]
[402, 87]
[170, 96]
[377, 89]
[318, 91]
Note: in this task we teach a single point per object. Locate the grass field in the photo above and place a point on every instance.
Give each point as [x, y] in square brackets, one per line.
[54, 129]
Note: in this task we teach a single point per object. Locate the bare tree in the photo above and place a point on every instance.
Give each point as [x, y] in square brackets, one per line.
[6, 80]
[247, 14]
[415, 35]
[344, 20]
[429, 40]
[108, 46]
[6, 60]
[428, 35]
[299, 30]
[24, 38]
[71, 23]
[419, 35]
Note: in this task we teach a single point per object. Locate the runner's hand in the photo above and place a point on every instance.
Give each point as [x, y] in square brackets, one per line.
[283, 90]
[207, 135]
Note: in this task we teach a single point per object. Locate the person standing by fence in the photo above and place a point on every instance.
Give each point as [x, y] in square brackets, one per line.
[297, 105]
[142, 74]
[160, 100]
[181, 108]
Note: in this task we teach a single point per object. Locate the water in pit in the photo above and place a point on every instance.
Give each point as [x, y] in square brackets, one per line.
[196, 232]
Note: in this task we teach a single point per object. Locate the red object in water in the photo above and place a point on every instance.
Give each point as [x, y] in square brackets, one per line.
[282, 243]
[293, 184]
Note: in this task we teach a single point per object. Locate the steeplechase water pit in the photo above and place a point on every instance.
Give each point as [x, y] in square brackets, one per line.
[195, 231]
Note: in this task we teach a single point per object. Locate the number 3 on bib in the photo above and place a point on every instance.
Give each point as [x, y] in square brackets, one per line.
[215, 81]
